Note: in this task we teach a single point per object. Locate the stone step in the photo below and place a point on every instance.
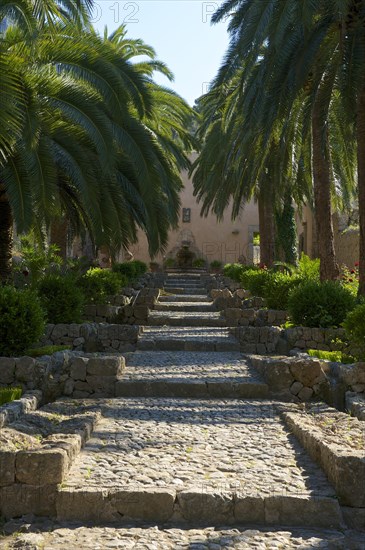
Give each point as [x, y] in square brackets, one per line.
[187, 339]
[190, 374]
[208, 461]
[55, 535]
[171, 298]
[186, 319]
[184, 290]
[184, 306]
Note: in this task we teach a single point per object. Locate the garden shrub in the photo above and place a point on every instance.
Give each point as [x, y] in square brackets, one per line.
[61, 298]
[21, 320]
[45, 350]
[98, 284]
[199, 263]
[131, 270]
[255, 280]
[320, 304]
[7, 395]
[234, 271]
[277, 288]
[308, 268]
[169, 262]
[216, 264]
[335, 356]
[354, 325]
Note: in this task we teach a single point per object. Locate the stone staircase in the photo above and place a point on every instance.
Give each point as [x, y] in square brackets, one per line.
[194, 446]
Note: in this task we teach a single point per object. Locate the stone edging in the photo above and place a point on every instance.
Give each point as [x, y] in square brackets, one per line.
[335, 441]
[10, 412]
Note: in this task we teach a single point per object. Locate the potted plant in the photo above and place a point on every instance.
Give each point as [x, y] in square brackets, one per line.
[199, 263]
[216, 266]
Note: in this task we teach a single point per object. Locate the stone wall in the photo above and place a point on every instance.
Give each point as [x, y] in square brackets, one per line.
[32, 467]
[254, 317]
[64, 373]
[327, 339]
[301, 378]
[260, 340]
[92, 337]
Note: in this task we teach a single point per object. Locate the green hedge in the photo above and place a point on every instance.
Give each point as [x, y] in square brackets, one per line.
[61, 298]
[22, 320]
[320, 304]
[354, 325]
[277, 288]
[98, 284]
[131, 270]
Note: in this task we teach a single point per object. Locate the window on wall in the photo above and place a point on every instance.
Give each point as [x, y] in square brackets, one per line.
[186, 215]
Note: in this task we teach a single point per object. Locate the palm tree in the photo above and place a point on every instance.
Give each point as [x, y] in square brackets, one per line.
[303, 52]
[89, 143]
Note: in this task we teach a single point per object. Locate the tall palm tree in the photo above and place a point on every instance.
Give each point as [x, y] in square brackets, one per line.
[303, 51]
[88, 147]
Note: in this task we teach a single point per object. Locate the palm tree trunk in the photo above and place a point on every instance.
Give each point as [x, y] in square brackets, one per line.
[360, 128]
[59, 236]
[6, 237]
[322, 196]
[267, 226]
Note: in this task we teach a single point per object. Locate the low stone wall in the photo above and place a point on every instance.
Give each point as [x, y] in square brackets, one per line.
[327, 339]
[254, 317]
[32, 467]
[12, 411]
[260, 340]
[303, 378]
[92, 337]
[63, 373]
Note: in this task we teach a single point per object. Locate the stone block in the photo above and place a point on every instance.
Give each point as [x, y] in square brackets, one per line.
[59, 331]
[196, 505]
[303, 511]
[7, 468]
[7, 370]
[68, 387]
[78, 368]
[18, 500]
[242, 293]
[140, 312]
[296, 387]
[105, 366]
[41, 467]
[249, 510]
[306, 371]
[80, 385]
[104, 385]
[25, 369]
[145, 504]
[305, 394]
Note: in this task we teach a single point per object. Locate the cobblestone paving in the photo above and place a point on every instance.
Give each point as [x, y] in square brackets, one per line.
[226, 446]
[185, 366]
[71, 536]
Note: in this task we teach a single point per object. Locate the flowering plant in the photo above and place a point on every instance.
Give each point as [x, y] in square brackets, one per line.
[350, 278]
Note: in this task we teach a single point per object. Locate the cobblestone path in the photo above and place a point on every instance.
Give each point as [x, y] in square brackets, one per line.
[192, 455]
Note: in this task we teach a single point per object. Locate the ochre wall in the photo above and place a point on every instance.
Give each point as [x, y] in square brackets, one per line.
[226, 241]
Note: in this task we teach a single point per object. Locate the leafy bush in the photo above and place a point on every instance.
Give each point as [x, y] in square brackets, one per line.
[21, 320]
[169, 262]
[316, 304]
[335, 356]
[61, 298]
[277, 288]
[354, 325]
[36, 260]
[199, 263]
[308, 269]
[350, 278]
[255, 280]
[97, 284]
[140, 268]
[234, 271]
[130, 270]
[9, 394]
[216, 264]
